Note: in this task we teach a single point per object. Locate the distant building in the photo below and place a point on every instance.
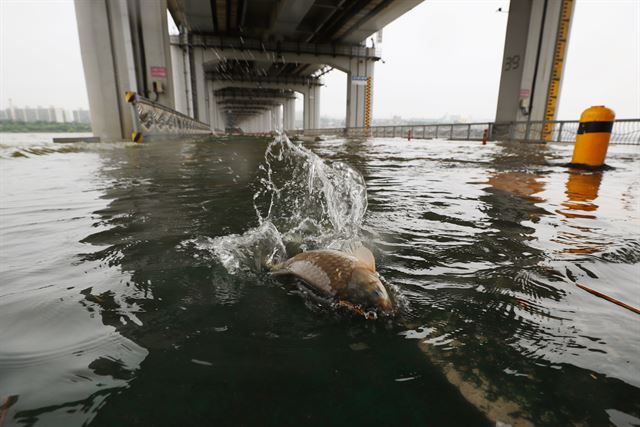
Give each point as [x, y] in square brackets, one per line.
[42, 114]
[45, 114]
[30, 115]
[58, 115]
[68, 116]
[16, 114]
[81, 116]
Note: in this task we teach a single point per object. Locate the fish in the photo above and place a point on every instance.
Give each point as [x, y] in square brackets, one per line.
[348, 279]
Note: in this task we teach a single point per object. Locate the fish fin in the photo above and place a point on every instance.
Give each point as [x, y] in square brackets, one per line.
[365, 256]
[279, 271]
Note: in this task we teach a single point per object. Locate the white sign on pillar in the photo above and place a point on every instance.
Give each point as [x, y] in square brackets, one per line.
[359, 80]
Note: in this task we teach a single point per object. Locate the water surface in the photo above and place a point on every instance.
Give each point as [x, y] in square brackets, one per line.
[129, 292]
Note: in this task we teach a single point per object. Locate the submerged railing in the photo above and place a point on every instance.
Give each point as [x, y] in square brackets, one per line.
[625, 131]
[153, 120]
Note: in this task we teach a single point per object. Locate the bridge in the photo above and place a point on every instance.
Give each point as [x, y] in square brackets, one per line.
[239, 63]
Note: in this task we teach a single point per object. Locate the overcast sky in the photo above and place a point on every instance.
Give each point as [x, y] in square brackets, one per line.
[441, 58]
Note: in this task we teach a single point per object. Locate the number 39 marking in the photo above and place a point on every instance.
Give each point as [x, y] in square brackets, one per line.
[512, 63]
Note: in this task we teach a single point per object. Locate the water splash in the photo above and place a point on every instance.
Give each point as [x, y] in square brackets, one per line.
[309, 198]
[246, 253]
[302, 202]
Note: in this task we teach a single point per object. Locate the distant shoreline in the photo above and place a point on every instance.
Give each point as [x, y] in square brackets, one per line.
[22, 127]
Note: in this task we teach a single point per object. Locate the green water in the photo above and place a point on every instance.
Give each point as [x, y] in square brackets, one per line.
[116, 307]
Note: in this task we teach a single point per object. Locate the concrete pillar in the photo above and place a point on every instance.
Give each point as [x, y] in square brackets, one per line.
[316, 107]
[359, 92]
[109, 68]
[289, 112]
[276, 114]
[182, 90]
[215, 116]
[266, 121]
[153, 37]
[311, 112]
[306, 110]
[534, 51]
[200, 84]
[124, 46]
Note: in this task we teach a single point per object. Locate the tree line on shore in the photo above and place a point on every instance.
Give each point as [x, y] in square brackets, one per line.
[15, 127]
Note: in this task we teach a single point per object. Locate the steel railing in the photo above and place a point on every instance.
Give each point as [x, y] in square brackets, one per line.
[151, 119]
[625, 131]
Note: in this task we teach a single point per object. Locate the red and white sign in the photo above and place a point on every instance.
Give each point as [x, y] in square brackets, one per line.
[524, 93]
[158, 71]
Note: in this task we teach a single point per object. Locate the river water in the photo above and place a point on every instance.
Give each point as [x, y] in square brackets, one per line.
[131, 291]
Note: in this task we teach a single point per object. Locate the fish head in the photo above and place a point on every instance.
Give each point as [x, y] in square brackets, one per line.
[366, 290]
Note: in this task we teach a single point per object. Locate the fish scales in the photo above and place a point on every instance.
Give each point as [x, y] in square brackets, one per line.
[348, 278]
[330, 271]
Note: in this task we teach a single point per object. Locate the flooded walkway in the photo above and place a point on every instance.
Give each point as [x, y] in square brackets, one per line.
[130, 292]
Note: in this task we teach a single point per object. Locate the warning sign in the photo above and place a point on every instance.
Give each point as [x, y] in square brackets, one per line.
[157, 71]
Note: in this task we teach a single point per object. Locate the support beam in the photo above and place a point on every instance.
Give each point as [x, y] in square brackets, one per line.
[376, 19]
[287, 15]
[241, 48]
[535, 45]
[259, 81]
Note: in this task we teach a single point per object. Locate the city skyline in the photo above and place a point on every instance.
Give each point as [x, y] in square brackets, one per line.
[50, 114]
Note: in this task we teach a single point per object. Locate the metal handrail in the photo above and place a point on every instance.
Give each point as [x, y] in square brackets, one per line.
[154, 119]
[625, 131]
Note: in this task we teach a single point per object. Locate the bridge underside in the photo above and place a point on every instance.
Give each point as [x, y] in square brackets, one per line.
[266, 46]
[242, 64]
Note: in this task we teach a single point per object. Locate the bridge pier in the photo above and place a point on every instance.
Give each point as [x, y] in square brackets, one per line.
[276, 114]
[124, 46]
[311, 113]
[215, 120]
[534, 52]
[211, 62]
[182, 84]
[199, 83]
[359, 92]
[289, 113]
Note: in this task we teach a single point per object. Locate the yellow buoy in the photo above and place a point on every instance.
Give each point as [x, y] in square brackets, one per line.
[593, 136]
[137, 137]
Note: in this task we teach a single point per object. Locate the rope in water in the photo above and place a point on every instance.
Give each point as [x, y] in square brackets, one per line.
[608, 298]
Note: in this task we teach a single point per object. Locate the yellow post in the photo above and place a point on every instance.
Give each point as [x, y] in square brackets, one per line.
[593, 136]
